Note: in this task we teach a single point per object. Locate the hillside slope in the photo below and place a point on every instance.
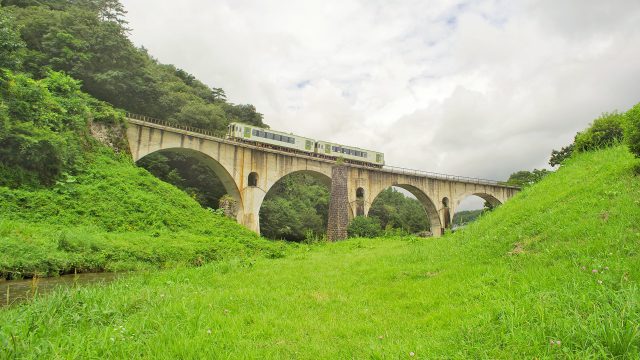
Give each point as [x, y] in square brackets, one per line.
[71, 203]
[553, 273]
[114, 216]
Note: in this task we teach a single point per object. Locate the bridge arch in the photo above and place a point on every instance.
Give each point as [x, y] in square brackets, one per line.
[219, 170]
[486, 196]
[261, 194]
[428, 205]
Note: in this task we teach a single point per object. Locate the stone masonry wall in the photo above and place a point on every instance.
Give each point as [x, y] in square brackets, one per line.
[338, 205]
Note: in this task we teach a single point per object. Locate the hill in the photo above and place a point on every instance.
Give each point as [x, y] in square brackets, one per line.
[70, 203]
[553, 273]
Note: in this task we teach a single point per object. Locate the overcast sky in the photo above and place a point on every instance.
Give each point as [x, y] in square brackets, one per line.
[476, 88]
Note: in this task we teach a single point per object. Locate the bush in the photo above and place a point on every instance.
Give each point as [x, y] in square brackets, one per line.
[42, 127]
[361, 226]
[632, 131]
[605, 131]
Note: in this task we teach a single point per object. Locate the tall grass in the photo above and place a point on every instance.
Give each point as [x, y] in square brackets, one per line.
[114, 217]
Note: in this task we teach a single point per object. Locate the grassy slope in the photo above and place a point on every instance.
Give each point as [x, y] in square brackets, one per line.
[115, 216]
[505, 287]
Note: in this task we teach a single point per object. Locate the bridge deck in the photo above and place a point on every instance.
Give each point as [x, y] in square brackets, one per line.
[219, 137]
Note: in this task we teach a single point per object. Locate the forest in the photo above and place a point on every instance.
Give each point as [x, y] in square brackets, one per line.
[82, 50]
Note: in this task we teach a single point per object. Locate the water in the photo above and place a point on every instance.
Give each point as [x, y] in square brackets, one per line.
[16, 291]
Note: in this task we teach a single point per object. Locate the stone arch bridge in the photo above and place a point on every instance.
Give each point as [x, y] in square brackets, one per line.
[248, 172]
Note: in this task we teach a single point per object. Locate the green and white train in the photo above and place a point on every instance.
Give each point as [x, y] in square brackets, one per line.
[298, 144]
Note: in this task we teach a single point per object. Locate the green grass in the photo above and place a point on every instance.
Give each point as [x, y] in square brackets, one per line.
[114, 217]
[518, 283]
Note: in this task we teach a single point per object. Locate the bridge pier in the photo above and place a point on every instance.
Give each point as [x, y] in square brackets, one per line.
[252, 197]
[338, 204]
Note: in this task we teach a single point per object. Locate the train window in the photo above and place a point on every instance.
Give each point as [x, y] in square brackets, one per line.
[277, 137]
[255, 132]
[364, 155]
[292, 140]
[269, 136]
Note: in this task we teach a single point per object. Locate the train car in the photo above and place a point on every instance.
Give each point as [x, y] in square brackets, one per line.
[272, 138]
[299, 144]
[356, 155]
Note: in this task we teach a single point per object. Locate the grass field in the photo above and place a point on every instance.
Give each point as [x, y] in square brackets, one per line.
[553, 273]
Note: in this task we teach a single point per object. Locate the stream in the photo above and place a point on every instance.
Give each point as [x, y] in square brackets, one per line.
[17, 291]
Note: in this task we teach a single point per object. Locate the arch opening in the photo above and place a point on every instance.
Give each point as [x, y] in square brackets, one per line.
[359, 202]
[405, 208]
[197, 174]
[472, 206]
[296, 207]
[252, 180]
[446, 213]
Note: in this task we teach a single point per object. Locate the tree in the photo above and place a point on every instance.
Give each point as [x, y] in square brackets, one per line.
[466, 216]
[244, 113]
[605, 131]
[558, 156]
[43, 127]
[487, 207]
[632, 131]
[11, 45]
[367, 227]
[295, 205]
[525, 178]
[394, 210]
[188, 174]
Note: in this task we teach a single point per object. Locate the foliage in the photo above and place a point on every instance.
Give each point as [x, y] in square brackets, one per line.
[295, 205]
[44, 127]
[525, 178]
[188, 173]
[366, 227]
[605, 131]
[551, 274]
[11, 45]
[559, 156]
[30, 249]
[466, 216]
[113, 216]
[394, 210]
[87, 39]
[632, 133]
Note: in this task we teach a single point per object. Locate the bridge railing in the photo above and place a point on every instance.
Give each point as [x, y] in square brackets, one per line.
[429, 174]
[393, 169]
[213, 133]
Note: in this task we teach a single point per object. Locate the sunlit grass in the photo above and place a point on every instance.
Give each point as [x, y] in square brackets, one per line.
[569, 291]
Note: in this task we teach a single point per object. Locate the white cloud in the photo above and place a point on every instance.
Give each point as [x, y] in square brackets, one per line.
[477, 88]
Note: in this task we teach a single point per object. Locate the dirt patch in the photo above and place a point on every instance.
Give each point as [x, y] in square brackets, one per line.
[518, 248]
[604, 216]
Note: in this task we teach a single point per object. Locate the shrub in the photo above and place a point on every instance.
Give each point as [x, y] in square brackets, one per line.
[362, 226]
[632, 133]
[605, 131]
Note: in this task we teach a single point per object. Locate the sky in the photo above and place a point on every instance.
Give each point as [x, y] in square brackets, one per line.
[473, 88]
